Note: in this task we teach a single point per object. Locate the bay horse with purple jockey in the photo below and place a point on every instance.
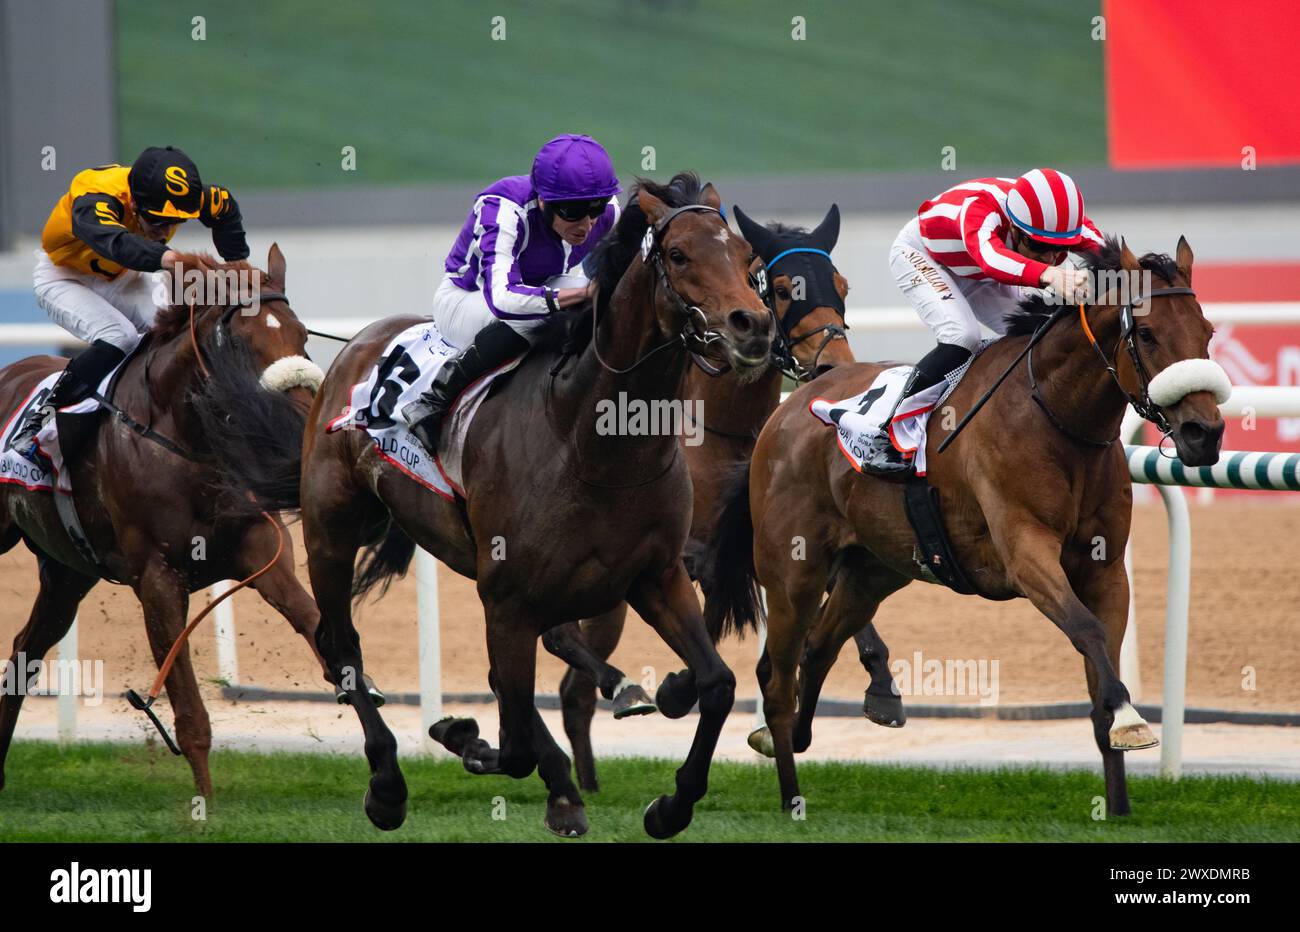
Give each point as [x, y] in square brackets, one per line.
[590, 518]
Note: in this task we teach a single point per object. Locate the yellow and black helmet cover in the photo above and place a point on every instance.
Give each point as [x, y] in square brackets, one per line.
[165, 185]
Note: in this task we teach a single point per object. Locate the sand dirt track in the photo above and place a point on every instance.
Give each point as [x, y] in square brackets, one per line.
[1245, 593]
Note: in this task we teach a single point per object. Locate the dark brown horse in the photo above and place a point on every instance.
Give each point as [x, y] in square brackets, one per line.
[1036, 499]
[807, 297]
[165, 519]
[588, 518]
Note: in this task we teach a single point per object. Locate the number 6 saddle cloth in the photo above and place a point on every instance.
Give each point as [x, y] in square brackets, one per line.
[404, 372]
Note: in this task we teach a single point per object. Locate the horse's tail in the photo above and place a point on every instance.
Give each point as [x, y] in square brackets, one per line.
[729, 581]
[381, 561]
[255, 434]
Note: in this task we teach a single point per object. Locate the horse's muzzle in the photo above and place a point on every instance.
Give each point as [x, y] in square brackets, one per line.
[1198, 442]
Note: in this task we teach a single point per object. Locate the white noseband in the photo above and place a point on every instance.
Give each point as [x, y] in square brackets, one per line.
[296, 372]
[1174, 383]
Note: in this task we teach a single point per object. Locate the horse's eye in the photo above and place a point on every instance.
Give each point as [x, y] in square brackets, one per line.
[783, 294]
[677, 256]
[1148, 336]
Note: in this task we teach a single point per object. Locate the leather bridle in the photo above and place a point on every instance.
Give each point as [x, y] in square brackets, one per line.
[695, 325]
[1141, 401]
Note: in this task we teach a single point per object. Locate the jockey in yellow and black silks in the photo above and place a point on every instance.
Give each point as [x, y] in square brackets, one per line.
[100, 251]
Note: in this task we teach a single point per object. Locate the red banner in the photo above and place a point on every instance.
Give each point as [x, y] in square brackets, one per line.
[1195, 82]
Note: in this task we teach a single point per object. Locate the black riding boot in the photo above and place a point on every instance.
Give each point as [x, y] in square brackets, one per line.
[495, 345]
[78, 380]
[882, 456]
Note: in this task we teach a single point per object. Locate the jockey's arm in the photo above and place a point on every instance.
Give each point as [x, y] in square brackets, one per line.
[97, 222]
[499, 276]
[983, 231]
[220, 214]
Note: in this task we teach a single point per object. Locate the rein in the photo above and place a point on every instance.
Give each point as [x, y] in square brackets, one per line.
[652, 255]
[1141, 402]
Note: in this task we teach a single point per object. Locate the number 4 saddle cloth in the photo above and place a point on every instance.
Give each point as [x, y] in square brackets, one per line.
[856, 420]
[404, 372]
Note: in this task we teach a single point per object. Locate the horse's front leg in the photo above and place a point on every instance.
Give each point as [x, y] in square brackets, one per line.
[1105, 590]
[332, 529]
[164, 596]
[280, 588]
[667, 601]
[569, 642]
[1031, 552]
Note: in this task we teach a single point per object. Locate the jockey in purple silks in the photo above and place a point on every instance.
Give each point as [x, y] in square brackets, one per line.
[517, 260]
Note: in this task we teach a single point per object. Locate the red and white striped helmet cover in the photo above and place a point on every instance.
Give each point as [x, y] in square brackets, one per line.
[1047, 205]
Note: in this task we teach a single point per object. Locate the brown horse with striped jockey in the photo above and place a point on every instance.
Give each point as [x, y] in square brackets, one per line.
[1035, 495]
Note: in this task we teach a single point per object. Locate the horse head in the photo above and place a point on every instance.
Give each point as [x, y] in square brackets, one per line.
[705, 284]
[807, 291]
[1164, 355]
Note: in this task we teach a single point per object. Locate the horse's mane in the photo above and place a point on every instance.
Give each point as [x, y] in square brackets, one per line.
[569, 332]
[175, 319]
[786, 229]
[1034, 311]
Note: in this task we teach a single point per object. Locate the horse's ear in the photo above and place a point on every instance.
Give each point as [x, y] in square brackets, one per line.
[653, 208]
[1183, 258]
[709, 197]
[1127, 260]
[275, 264]
[754, 233]
[827, 233]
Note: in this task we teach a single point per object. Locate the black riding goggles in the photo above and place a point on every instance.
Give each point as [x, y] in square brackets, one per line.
[572, 211]
[1040, 248]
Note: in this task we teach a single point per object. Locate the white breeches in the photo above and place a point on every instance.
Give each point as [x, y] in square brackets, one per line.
[94, 308]
[951, 306]
[461, 314]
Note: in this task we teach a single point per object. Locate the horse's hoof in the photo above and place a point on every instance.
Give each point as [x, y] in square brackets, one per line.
[675, 697]
[384, 816]
[1129, 731]
[566, 819]
[484, 760]
[1132, 738]
[658, 819]
[632, 700]
[455, 734]
[376, 695]
[884, 710]
[760, 739]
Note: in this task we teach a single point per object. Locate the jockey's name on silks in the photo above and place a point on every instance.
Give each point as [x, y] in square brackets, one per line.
[506, 249]
[88, 229]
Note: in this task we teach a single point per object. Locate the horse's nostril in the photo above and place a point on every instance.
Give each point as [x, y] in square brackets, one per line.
[1193, 432]
[742, 323]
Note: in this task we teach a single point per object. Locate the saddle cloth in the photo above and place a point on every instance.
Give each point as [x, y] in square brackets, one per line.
[403, 373]
[42, 476]
[858, 419]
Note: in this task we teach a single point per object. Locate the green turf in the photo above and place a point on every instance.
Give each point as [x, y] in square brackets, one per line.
[424, 94]
[101, 792]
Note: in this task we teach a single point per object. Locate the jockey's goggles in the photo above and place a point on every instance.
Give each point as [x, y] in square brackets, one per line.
[572, 211]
